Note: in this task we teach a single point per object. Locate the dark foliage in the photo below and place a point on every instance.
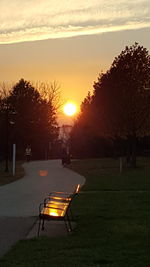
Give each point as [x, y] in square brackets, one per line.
[31, 120]
[119, 109]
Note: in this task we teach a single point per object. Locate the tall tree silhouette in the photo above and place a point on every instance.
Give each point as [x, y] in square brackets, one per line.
[80, 134]
[121, 101]
[84, 141]
[35, 120]
[120, 106]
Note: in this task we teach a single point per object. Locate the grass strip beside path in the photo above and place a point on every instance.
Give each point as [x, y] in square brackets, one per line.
[112, 226]
[7, 177]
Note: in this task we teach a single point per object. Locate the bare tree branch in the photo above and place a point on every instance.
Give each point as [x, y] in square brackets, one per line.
[50, 92]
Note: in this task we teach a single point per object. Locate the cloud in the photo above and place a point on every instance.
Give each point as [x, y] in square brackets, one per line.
[30, 20]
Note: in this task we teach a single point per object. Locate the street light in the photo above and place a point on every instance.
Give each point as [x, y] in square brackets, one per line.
[6, 139]
[7, 123]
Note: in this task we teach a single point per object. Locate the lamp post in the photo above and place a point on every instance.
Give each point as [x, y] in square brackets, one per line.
[7, 123]
[6, 139]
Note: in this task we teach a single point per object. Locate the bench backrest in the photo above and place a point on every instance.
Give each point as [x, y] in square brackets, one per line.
[58, 203]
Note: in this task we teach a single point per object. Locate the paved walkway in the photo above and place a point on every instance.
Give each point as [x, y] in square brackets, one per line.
[19, 201]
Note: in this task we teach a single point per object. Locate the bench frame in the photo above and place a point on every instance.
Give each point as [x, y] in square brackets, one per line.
[59, 203]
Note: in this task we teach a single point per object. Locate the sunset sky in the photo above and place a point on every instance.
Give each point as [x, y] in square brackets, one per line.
[68, 41]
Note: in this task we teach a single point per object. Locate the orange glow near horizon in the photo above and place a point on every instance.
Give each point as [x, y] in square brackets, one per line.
[70, 109]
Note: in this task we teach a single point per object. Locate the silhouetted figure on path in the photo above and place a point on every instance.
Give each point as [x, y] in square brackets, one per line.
[65, 156]
[28, 153]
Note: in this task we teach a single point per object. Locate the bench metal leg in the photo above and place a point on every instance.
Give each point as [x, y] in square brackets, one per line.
[39, 227]
[42, 225]
[69, 227]
[66, 224]
[71, 214]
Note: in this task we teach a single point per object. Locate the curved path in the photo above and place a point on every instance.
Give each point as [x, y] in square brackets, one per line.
[19, 201]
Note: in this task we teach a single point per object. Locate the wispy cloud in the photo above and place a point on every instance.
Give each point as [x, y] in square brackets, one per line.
[29, 20]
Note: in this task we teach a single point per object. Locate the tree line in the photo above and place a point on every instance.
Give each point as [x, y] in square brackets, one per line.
[114, 120]
[116, 117]
[28, 117]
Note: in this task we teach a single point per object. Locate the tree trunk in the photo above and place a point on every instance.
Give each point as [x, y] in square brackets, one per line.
[131, 152]
[128, 153]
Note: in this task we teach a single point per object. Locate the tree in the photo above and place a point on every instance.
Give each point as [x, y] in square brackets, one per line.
[80, 132]
[50, 92]
[34, 120]
[121, 103]
[4, 123]
[86, 141]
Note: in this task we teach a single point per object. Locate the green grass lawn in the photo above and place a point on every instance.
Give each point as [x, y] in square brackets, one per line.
[7, 177]
[103, 174]
[113, 222]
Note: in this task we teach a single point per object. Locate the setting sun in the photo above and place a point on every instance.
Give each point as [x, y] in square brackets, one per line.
[70, 109]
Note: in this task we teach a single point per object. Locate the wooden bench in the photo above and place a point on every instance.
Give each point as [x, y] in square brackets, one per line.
[57, 206]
